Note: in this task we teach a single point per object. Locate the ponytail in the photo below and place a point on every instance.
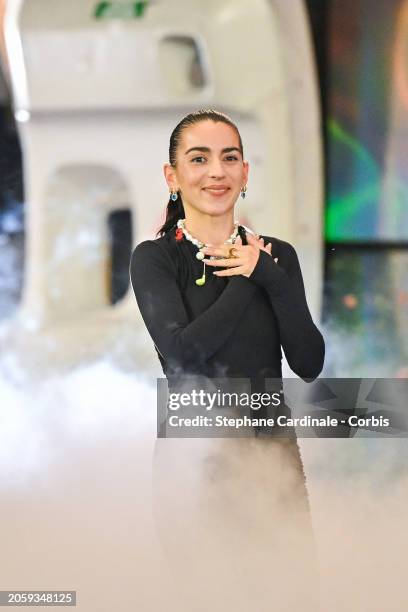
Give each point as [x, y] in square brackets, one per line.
[174, 212]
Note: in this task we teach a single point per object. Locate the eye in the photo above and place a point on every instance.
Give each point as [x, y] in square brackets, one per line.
[232, 158]
[198, 157]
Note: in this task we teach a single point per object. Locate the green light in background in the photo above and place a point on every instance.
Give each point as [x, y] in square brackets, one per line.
[339, 214]
[120, 10]
[341, 209]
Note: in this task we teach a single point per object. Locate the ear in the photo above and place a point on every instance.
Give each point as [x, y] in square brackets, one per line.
[170, 176]
[246, 171]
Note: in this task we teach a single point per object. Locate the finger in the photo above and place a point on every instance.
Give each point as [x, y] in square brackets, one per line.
[257, 240]
[251, 238]
[225, 253]
[231, 272]
[238, 241]
[229, 263]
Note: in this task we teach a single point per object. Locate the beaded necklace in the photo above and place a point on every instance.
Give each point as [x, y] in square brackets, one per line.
[181, 231]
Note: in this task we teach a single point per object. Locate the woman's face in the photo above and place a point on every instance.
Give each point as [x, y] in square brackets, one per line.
[210, 171]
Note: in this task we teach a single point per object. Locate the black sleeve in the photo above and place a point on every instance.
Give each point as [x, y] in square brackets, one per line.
[179, 341]
[301, 341]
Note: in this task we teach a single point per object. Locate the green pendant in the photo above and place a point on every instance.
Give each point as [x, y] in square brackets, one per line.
[201, 281]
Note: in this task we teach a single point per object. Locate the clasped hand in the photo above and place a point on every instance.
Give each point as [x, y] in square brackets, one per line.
[245, 256]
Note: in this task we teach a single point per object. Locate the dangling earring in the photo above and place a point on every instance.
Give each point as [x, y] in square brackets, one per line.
[243, 190]
[173, 195]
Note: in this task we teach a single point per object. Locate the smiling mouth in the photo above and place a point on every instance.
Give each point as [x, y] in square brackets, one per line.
[216, 190]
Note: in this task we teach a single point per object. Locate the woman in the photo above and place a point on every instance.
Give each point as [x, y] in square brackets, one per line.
[219, 301]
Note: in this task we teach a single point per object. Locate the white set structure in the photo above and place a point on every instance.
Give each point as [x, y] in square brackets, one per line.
[97, 89]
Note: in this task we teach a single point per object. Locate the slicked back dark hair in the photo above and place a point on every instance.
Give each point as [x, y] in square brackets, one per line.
[175, 209]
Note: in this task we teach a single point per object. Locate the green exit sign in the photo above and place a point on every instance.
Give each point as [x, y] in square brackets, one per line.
[120, 10]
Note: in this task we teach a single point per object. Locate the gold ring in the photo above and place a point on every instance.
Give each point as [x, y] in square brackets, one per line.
[231, 254]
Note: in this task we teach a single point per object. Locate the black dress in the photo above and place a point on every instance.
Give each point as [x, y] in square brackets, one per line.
[231, 327]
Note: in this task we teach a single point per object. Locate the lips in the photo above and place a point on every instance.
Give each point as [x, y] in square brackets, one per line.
[216, 189]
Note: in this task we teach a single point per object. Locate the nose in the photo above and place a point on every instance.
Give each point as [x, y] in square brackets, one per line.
[215, 169]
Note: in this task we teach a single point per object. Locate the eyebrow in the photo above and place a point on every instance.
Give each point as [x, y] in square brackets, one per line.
[207, 150]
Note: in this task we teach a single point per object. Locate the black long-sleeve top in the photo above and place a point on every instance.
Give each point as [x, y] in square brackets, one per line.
[231, 326]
